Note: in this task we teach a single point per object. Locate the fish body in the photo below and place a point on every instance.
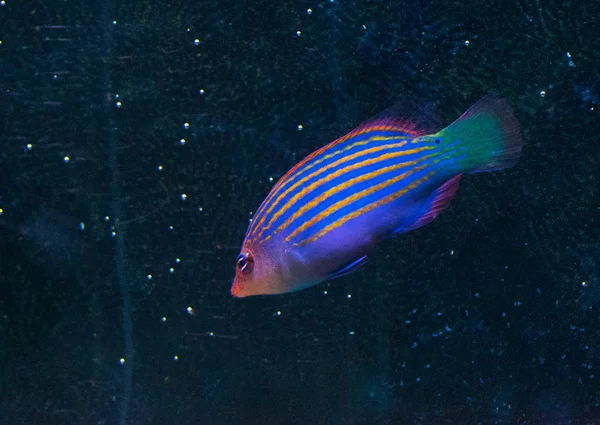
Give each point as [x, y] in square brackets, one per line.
[326, 214]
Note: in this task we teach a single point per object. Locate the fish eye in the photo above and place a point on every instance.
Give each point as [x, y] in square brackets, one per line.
[245, 262]
[438, 141]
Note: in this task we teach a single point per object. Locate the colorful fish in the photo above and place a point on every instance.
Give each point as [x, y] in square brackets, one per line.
[323, 217]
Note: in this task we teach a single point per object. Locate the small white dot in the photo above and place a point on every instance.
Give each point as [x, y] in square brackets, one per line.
[200, 209]
[171, 228]
[211, 334]
[186, 125]
[277, 313]
[29, 146]
[118, 104]
[114, 22]
[106, 218]
[271, 179]
[324, 292]
[584, 284]
[467, 42]
[66, 159]
[149, 277]
[163, 319]
[122, 360]
[178, 260]
[183, 196]
[351, 333]
[82, 226]
[1, 211]
[113, 234]
[298, 33]
[543, 93]
[160, 168]
[182, 142]
[171, 270]
[201, 91]
[197, 42]
[309, 11]
[300, 127]
[175, 358]
[190, 311]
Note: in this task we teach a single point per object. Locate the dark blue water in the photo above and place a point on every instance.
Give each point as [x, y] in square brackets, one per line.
[138, 138]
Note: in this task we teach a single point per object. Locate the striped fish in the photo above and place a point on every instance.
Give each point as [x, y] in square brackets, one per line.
[326, 214]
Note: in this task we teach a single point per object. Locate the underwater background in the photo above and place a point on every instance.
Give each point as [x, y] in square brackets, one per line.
[137, 139]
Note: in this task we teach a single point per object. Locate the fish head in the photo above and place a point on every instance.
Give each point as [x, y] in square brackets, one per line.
[256, 273]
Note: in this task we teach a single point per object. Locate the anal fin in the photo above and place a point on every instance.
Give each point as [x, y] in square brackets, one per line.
[437, 202]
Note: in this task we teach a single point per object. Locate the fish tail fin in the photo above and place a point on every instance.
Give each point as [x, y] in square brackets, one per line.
[489, 133]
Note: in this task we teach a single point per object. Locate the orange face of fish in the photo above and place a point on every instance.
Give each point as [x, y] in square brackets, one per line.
[256, 274]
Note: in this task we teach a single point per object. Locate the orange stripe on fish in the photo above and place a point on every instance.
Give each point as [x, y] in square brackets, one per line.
[287, 178]
[351, 198]
[334, 175]
[365, 209]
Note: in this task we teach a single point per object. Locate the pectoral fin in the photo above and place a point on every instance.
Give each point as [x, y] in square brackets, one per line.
[348, 268]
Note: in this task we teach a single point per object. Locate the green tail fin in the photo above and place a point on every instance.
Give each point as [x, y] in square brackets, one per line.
[490, 134]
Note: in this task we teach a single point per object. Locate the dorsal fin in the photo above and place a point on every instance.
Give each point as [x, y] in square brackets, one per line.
[408, 116]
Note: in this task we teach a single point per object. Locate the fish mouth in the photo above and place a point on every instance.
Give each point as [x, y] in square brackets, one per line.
[236, 290]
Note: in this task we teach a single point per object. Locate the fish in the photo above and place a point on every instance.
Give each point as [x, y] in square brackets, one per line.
[386, 177]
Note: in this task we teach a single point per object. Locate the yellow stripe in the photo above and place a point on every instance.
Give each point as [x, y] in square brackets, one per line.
[278, 187]
[360, 130]
[334, 175]
[352, 198]
[365, 209]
